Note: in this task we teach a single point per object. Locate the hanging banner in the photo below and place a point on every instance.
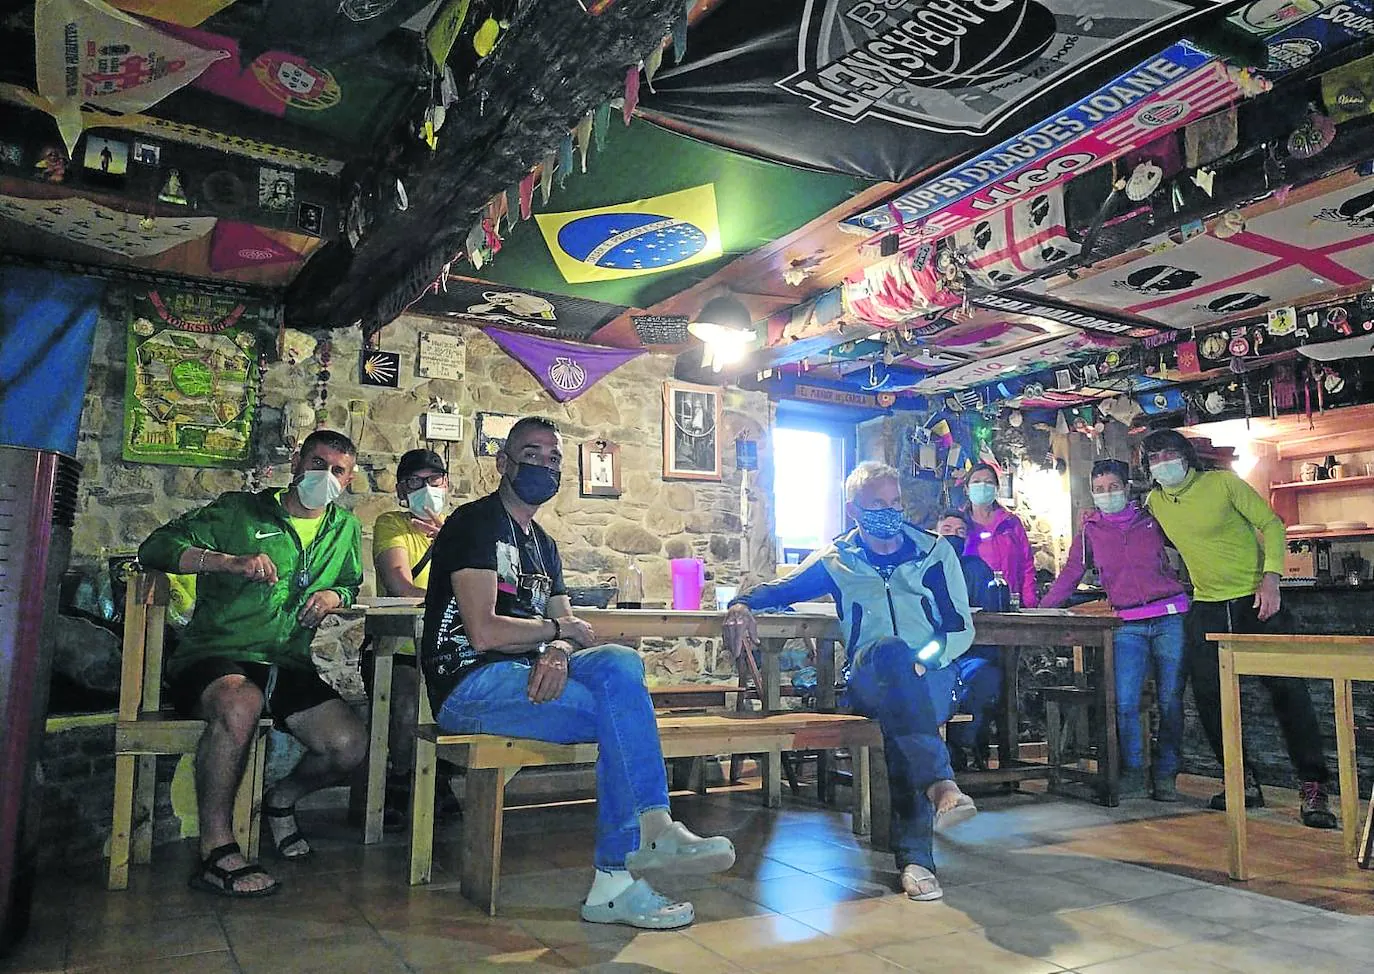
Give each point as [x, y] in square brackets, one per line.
[89, 52]
[86, 222]
[887, 90]
[1028, 236]
[1158, 96]
[564, 369]
[1040, 307]
[187, 13]
[234, 245]
[333, 29]
[191, 386]
[1032, 359]
[486, 303]
[443, 31]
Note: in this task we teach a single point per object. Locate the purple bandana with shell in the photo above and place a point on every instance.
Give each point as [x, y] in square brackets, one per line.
[565, 369]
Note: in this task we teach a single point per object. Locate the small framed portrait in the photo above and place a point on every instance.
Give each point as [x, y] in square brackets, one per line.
[600, 463]
[491, 432]
[107, 157]
[691, 431]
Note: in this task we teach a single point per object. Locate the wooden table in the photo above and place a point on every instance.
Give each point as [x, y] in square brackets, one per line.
[1339, 659]
[611, 625]
[1049, 627]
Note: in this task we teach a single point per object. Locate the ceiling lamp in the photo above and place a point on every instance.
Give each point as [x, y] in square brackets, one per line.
[726, 331]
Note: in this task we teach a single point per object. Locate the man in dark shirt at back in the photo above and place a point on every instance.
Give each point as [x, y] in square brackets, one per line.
[503, 654]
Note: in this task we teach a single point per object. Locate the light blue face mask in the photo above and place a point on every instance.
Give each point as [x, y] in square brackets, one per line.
[882, 522]
[982, 493]
[1170, 473]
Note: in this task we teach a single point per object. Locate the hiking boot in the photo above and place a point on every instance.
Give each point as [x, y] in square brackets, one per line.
[1166, 790]
[1132, 783]
[1314, 810]
[1254, 798]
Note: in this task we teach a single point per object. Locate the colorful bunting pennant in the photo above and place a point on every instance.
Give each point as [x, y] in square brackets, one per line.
[564, 369]
[234, 245]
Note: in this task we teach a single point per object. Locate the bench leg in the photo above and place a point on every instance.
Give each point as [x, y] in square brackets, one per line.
[243, 802]
[880, 799]
[121, 828]
[483, 811]
[1367, 840]
[379, 718]
[422, 812]
[1345, 760]
[145, 798]
[257, 772]
[862, 791]
[1054, 742]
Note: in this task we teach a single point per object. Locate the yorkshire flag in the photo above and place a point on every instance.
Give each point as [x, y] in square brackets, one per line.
[634, 239]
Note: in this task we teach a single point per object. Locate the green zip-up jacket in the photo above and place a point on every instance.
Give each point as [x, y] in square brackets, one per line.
[241, 619]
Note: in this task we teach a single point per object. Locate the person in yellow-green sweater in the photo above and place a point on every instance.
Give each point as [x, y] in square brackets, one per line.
[1233, 545]
[401, 549]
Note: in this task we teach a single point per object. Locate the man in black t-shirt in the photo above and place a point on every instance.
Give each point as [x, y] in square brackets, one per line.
[503, 654]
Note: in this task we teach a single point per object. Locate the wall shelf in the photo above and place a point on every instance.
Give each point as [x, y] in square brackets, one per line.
[1319, 535]
[1324, 484]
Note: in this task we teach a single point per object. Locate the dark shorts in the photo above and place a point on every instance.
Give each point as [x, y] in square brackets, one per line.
[285, 691]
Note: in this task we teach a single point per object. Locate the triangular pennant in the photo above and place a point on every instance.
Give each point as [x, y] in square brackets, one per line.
[631, 92]
[680, 39]
[234, 245]
[90, 53]
[583, 136]
[564, 369]
[526, 194]
[565, 159]
[546, 169]
[651, 65]
[601, 125]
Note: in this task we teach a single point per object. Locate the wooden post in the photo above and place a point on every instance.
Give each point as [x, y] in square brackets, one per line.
[1233, 761]
[1109, 761]
[121, 831]
[1345, 758]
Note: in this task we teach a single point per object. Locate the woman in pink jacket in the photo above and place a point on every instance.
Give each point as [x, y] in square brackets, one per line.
[1127, 546]
[998, 537]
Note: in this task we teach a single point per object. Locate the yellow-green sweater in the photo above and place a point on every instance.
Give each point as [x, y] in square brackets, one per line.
[1213, 518]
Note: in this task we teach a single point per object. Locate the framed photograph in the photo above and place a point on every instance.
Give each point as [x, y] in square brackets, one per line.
[490, 433]
[691, 431]
[600, 460]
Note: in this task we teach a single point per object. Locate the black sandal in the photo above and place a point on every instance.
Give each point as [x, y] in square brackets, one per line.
[228, 878]
[286, 841]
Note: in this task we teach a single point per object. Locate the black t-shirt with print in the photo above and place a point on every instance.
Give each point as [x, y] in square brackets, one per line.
[483, 535]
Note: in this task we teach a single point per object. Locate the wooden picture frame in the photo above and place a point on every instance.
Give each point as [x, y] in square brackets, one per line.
[691, 431]
[599, 469]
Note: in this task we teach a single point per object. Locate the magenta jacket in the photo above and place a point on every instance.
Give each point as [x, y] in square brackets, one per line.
[1004, 545]
[1128, 549]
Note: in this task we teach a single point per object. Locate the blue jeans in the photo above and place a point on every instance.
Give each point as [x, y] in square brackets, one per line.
[980, 672]
[1142, 646]
[605, 702]
[910, 709]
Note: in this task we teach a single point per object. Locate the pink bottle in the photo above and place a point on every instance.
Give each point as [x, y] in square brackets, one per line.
[689, 578]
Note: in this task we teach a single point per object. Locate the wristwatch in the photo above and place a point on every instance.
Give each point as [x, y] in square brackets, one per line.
[541, 649]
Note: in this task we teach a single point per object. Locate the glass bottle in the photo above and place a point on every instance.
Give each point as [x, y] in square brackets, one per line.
[632, 587]
[999, 593]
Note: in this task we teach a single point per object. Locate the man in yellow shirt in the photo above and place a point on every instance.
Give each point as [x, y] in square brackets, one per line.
[400, 553]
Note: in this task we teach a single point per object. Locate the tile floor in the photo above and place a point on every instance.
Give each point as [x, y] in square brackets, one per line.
[1034, 885]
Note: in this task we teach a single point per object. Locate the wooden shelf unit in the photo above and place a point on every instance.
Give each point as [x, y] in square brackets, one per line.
[1305, 485]
[1322, 535]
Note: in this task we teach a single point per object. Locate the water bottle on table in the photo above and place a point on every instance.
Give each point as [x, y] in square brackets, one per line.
[999, 593]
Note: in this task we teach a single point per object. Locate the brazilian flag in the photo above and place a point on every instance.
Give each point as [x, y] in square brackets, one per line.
[654, 214]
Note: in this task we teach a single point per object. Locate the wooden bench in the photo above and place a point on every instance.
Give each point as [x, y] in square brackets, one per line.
[491, 761]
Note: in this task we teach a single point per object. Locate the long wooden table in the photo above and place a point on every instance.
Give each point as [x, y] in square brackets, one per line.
[610, 625]
[1339, 659]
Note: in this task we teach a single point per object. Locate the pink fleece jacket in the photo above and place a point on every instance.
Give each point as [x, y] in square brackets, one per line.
[1004, 545]
[1129, 551]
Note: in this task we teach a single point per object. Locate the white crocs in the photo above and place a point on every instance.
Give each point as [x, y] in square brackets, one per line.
[677, 849]
[641, 906]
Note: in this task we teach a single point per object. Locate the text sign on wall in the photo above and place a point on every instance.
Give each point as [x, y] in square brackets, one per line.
[442, 356]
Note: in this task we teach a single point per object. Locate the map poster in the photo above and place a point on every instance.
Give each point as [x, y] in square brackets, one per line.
[191, 385]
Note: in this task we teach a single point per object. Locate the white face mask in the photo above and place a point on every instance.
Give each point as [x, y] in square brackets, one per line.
[318, 489]
[1170, 473]
[427, 501]
[1110, 502]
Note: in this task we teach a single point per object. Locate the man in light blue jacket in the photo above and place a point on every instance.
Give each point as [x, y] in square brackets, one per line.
[900, 596]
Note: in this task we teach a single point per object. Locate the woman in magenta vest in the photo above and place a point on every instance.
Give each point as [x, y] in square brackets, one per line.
[1127, 546]
[998, 537]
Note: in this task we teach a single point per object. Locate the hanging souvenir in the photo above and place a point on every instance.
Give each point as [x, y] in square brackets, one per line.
[172, 190]
[1229, 224]
[1315, 133]
[1143, 181]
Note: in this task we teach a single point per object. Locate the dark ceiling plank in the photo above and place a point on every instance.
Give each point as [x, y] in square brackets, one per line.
[555, 64]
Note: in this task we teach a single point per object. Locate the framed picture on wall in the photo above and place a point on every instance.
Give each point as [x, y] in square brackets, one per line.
[600, 460]
[491, 430]
[691, 431]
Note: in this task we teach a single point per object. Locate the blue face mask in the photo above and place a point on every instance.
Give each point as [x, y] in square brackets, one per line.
[982, 493]
[535, 484]
[883, 522]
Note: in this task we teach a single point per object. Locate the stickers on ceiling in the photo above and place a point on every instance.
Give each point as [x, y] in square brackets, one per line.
[86, 222]
[88, 52]
[1036, 306]
[1337, 26]
[564, 369]
[185, 13]
[886, 90]
[1011, 363]
[1313, 134]
[636, 238]
[1008, 245]
[1347, 90]
[1180, 84]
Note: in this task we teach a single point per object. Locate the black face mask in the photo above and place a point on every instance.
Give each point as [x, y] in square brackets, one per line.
[534, 484]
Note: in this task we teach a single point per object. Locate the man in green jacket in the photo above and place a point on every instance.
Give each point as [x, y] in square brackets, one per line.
[1233, 544]
[270, 567]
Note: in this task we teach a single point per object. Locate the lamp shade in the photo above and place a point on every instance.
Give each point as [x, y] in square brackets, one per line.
[727, 311]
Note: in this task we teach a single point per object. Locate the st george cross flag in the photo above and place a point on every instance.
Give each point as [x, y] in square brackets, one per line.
[1025, 237]
[565, 369]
